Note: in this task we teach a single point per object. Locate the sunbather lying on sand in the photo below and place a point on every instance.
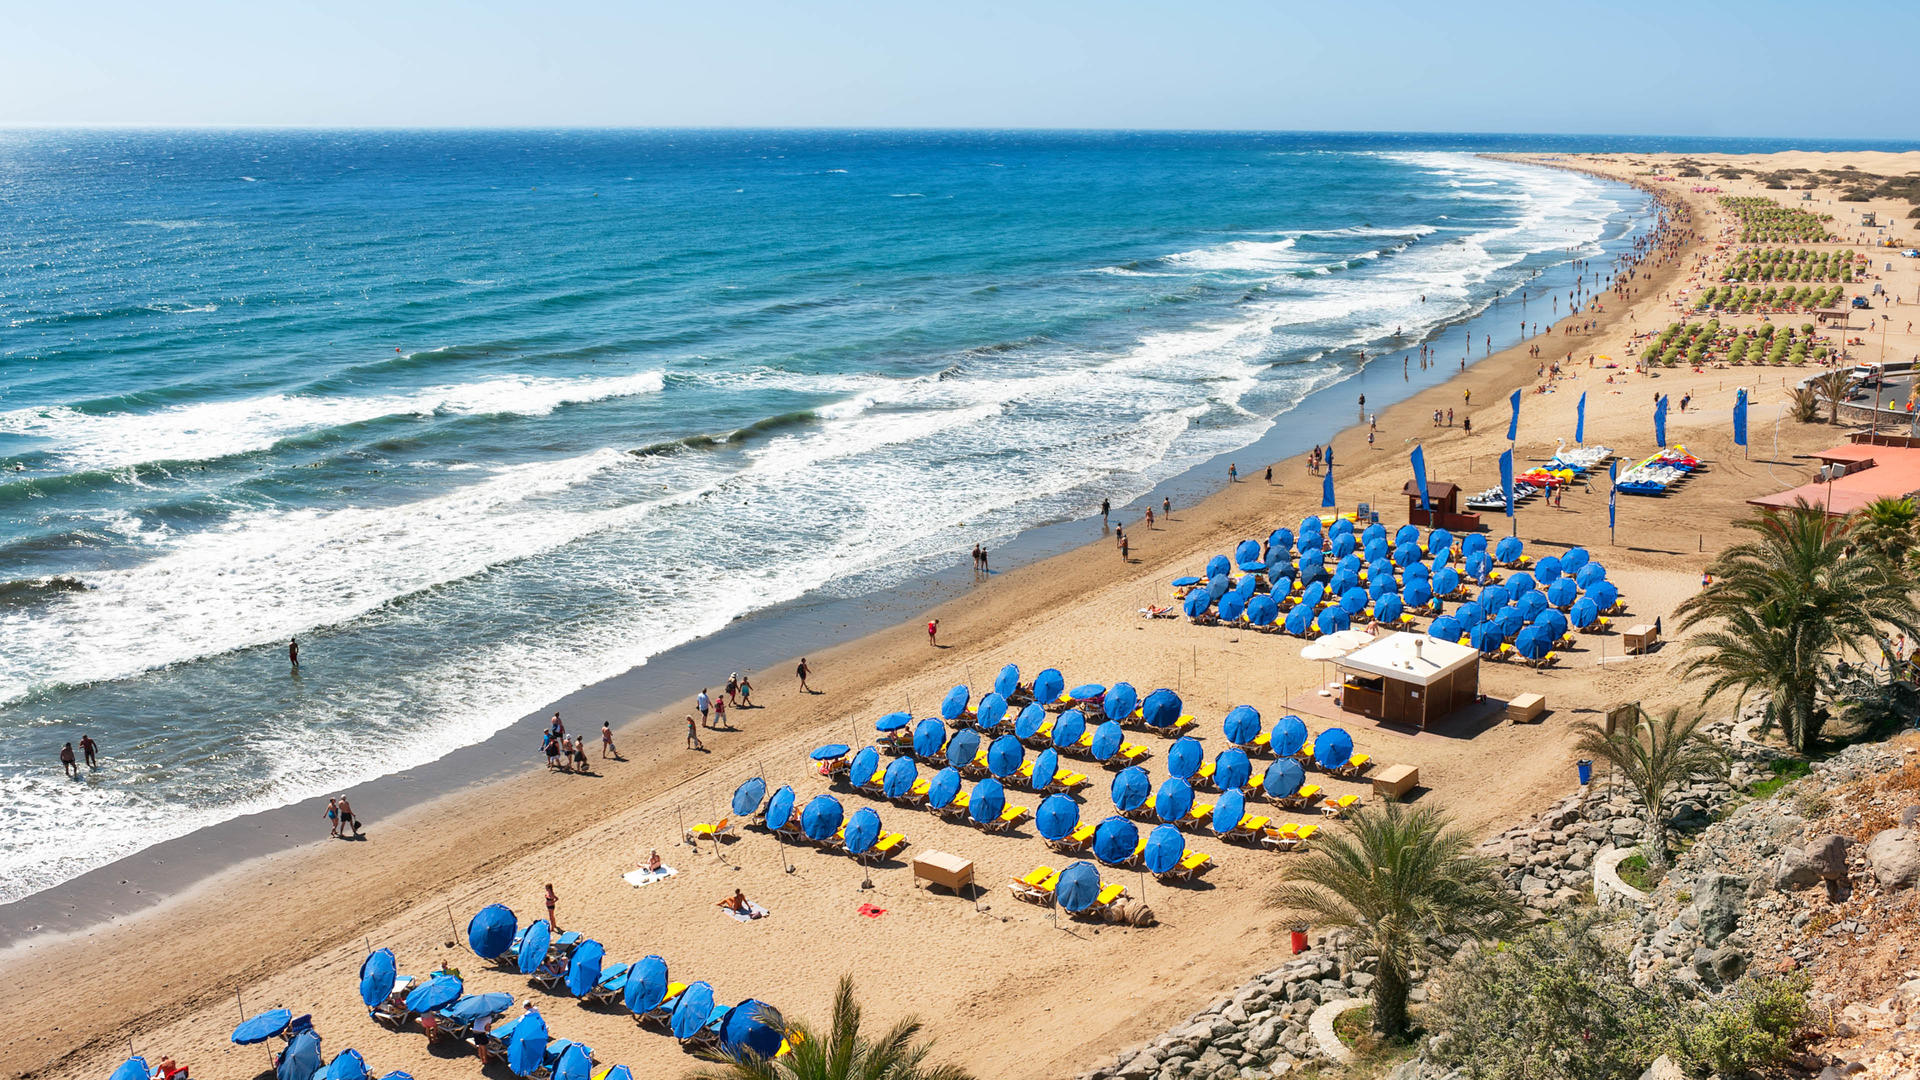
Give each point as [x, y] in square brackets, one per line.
[742, 908]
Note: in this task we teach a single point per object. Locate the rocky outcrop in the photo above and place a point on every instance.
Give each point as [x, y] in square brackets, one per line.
[1894, 855]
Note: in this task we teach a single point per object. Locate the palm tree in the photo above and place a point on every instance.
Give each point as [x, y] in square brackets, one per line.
[1401, 879]
[1784, 608]
[1803, 405]
[1833, 387]
[1888, 524]
[1655, 756]
[841, 1052]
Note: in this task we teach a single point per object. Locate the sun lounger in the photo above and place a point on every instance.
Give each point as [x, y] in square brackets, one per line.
[792, 830]
[1200, 816]
[1288, 837]
[957, 809]
[1301, 799]
[1075, 841]
[1192, 865]
[1202, 777]
[549, 975]
[613, 982]
[1355, 765]
[722, 830]
[1036, 886]
[888, 843]
[1066, 781]
[1009, 819]
[1250, 827]
[1339, 807]
[657, 1016]
[874, 785]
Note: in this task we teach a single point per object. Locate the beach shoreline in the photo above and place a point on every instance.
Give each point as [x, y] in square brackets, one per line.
[452, 842]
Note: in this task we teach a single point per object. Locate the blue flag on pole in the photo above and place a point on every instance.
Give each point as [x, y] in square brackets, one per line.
[1326, 488]
[1580, 420]
[1660, 422]
[1506, 479]
[1513, 424]
[1613, 491]
[1740, 418]
[1419, 459]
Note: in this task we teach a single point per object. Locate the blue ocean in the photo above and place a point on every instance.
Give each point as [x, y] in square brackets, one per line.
[485, 417]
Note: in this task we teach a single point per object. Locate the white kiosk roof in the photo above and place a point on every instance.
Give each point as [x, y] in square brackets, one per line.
[1409, 658]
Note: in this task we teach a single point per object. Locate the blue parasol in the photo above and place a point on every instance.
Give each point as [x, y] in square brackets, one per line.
[1478, 565]
[691, 1011]
[1232, 769]
[1416, 594]
[1283, 778]
[584, 967]
[1165, 848]
[1531, 642]
[1218, 586]
[821, 819]
[1584, 613]
[1106, 740]
[829, 752]
[1120, 701]
[1554, 623]
[1289, 735]
[865, 763]
[989, 798]
[1548, 569]
[436, 993]
[1469, 614]
[780, 808]
[1228, 811]
[1057, 817]
[1048, 685]
[1196, 604]
[1343, 546]
[1333, 749]
[1184, 757]
[929, 736]
[134, 1068]
[576, 1063]
[1473, 544]
[1574, 559]
[747, 797]
[1069, 728]
[1174, 799]
[346, 1065]
[376, 977]
[1590, 575]
[1262, 610]
[1299, 619]
[1604, 593]
[1486, 637]
[963, 748]
[1562, 592]
[1232, 606]
[1280, 539]
[752, 1029]
[1045, 768]
[1531, 603]
[527, 1046]
[1493, 598]
[1004, 756]
[1246, 551]
[1353, 601]
[1114, 840]
[1520, 582]
[898, 782]
[301, 1059]
[1007, 683]
[618, 1072]
[992, 710]
[1079, 886]
[1242, 725]
[1031, 719]
[1087, 691]
[1508, 549]
[1445, 581]
[893, 721]
[257, 1029]
[476, 1007]
[1218, 565]
[646, 986]
[1444, 628]
[1406, 555]
[1420, 572]
[942, 789]
[863, 828]
[954, 705]
[533, 947]
[1389, 607]
[1333, 620]
[1161, 708]
[1130, 789]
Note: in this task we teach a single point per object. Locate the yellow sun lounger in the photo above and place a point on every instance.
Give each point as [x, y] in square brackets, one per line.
[1075, 841]
[1200, 814]
[888, 842]
[1299, 800]
[723, 829]
[1339, 807]
[1288, 837]
[1355, 765]
[1036, 886]
[1131, 754]
[1009, 817]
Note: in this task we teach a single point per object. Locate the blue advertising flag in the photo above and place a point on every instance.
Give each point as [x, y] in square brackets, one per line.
[1419, 460]
[1613, 491]
[1740, 418]
[1660, 422]
[1580, 420]
[1326, 488]
[1513, 424]
[1506, 479]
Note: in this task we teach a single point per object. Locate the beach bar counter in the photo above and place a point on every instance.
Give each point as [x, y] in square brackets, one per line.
[1409, 679]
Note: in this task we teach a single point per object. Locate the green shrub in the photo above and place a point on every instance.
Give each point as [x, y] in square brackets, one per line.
[1755, 1026]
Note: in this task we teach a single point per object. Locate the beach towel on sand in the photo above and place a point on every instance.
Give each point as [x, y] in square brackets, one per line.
[643, 876]
[754, 911]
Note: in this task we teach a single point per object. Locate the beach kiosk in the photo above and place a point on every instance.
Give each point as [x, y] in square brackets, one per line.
[1445, 499]
[1409, 679]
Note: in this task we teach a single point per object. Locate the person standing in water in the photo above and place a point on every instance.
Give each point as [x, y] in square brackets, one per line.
[88, 748]
[293, 653]
[66, 761]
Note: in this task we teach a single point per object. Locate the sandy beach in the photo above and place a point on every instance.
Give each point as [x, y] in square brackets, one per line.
[1006, 990]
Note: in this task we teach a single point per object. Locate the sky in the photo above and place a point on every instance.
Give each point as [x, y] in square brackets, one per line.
[1681, 67]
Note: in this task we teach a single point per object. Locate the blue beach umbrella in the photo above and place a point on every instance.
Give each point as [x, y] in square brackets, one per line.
[1554, 623]
[1280, 539]
[1107, 739]
[1184, 757]
[1590, 575]
[691, 1011]
[1478, 565]
[1494, 597]
[261, 1027]
[1520, 582]
[1087, 691]
[829, 752]
[1507, 550]
[476, 1007]
[747, 797]
[1389, 608]
[1353, 601]
[301, 1059]
[490, 931]
[1004, 756]
[1031, 719]
[1262, 610]
[1444, 628]
[780, 808]
[533, 947]
[1417, 571]
[1173, 800]
[942, 789]
[1165, 848]
[1531, 603]
[576, 1063]
[1161, 708]
[1007, 683]
[1299, 619]
[1508, 621]
[1531, 642]
[899, 778]
[1114, 840]
[527, 1046]
[1242, 725]
[1232, 606]
[1309, 526]
[646, 986]
[1469, 614]
[1486, 637]
[1562, 593]
[1313, 594]
[1379, 587]
[1445, 581]
[891, 722]
[1574, 559]
[1196, 604]
[1130, 789]
[929, 736]
[1473, 544]
[863, 828]
[821, 818]
[1439, 540]
[992, 709]
[1045, 768]
[134, 1068]
[1219, 566]
[1228, 812]
[954, 705]
[1584, 613]
[1283, 778]
[346, 1065]
[963, 748]
[1232, 769]
[1333, 749]
[618, 1072]
[865, 764]
[1333, 620]
[1069, 728]
[1246, 551]
[1120, 701]
[989, 798]
[1048, 685]
[1289, 735]
[1340, 527]
[1547, 569]
[1406, 534]
[588, 959]
[1406, 554]
[376, 977]
[436, 993]
[1416, 594]
[752, 1029]
[1216, 588]
[1605, 594]
[1057, 817]
[1079, 886]
[1342, 546]
[1374, 531]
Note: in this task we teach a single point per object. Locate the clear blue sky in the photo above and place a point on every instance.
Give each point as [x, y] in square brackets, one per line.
[1696, 67]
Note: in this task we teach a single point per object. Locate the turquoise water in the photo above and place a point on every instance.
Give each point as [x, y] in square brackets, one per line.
[483, 418]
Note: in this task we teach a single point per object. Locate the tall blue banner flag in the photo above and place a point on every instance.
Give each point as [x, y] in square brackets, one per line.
[1513, 424]
[1660, 422]
[1580, 420]
[1506, 479]
[1740, 418]
[1326, 489]
[1419, 460]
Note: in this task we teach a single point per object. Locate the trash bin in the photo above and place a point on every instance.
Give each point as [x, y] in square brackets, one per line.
[1299, 940]
[1586, 772]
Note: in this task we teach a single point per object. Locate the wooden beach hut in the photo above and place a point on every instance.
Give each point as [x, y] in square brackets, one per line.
[1409, 679]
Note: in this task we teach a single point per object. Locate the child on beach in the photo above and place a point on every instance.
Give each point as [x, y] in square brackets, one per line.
[693, 735]
[933, 632]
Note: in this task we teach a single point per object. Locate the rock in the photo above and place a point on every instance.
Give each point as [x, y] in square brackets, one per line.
[1828, 855]
[1728, 963]
[1910, 817]
[1718, 900]
[1795, 870]
[1895, 857]
[1663, 1068]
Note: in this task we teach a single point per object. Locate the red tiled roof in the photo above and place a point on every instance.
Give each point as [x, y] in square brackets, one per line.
[1894, 472]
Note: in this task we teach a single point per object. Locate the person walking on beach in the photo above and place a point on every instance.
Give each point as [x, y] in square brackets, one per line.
[1466, 425]
[1269, 484]
[1106, 508]
[1363, 404]
[746, 693]
[347, 818]
[1166, 508]
[1150, 509]
[705, 704]
[1233, 473]
[87, 749]
[66, 761]
[333, 818]
[606, 741]
[733, 688]
[933, 632]
[720, 713]
[983, 560]
[293, 653]
[1123, 549]
[693, 735]
[552, 900]
[803, 671]
[1466, 396]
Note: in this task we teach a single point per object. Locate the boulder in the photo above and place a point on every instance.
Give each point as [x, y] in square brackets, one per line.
[1795, 870]
[1664, 1068]
[1828, 856]
[1895, 857]
[1718, 900]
